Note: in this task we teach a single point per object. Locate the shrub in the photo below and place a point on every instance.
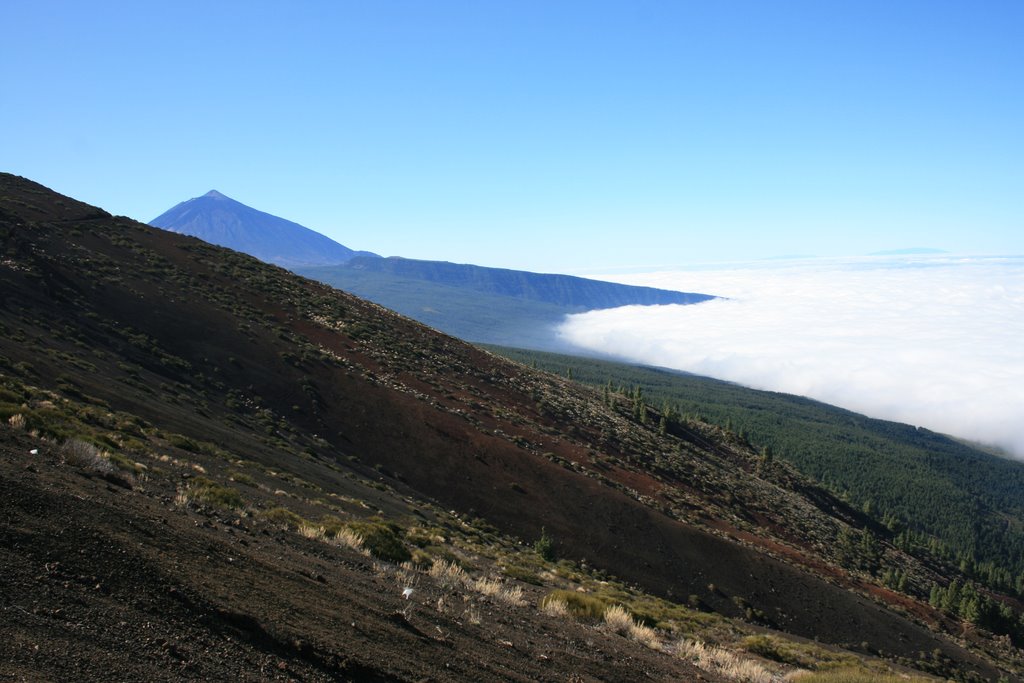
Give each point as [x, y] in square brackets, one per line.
[487, 586]
[333, 525]
[853, 676]
[307, 530]
[770, 648]
[421, 559]
[283, 517]
[8, 395]
[512, 596]
[382, 540]
[349, 539]
[723, 662]
[803, 655]
[243, 479]
[423, 536]
[448, 574]
[182, 498]
[84, 454]
[212, 493]
[439, 552]
[127, 464]
[524, 575]
[183, 442]
[579, 605]
[618, 620]
[645, 635]
[544, 546]
[554, 606]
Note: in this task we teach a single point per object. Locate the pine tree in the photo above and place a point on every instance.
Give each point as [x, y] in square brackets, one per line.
[937, 596]
[951, 597]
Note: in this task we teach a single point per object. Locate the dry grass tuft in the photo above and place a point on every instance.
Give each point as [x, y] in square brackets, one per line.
[487, 586]
[494, 588]
[473, 615]
[307, 530]
[449, 575]
[512, 596]
[723, 662]
[17, 422]
[645, 635]
[182, 498]
[620, 621]
[554, 607]
[407, 576]
[350, 539]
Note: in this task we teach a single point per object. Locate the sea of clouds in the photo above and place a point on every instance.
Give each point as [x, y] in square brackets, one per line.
[934, 341]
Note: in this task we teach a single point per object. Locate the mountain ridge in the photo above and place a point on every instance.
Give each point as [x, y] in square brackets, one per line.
[573, 292]
[476, 303]
[487, 305]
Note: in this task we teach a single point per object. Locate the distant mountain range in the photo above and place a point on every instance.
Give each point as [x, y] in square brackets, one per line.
[228, 223]
[492, 305]
[910, 251]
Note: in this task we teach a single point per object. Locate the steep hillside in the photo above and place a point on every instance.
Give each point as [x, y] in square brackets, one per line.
[199, 448]
[488, 305]
[223, 221]
[943, 498]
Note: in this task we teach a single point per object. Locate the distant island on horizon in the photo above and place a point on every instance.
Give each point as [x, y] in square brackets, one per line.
[908, 252]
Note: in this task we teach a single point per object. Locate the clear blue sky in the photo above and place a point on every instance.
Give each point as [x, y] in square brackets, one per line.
[538, 135]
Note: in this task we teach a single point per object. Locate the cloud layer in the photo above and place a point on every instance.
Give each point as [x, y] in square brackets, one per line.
[936, 342]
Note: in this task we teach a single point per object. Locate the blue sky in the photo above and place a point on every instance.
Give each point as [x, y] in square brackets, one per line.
[556, 136]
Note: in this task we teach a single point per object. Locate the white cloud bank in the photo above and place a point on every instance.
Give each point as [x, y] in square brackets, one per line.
[931, 341]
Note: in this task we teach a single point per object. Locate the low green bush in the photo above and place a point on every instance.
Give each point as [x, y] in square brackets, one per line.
[382, 540]
[206, 491]
[580, 605]
[332, 525]
[243, 479]
[523, 574]
[183, 442]
[855, 676]
[803, 655]
[282, 516]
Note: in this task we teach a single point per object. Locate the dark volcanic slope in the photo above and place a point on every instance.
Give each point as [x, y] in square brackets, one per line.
[218, 354]
[223, 221]
[103, 583]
